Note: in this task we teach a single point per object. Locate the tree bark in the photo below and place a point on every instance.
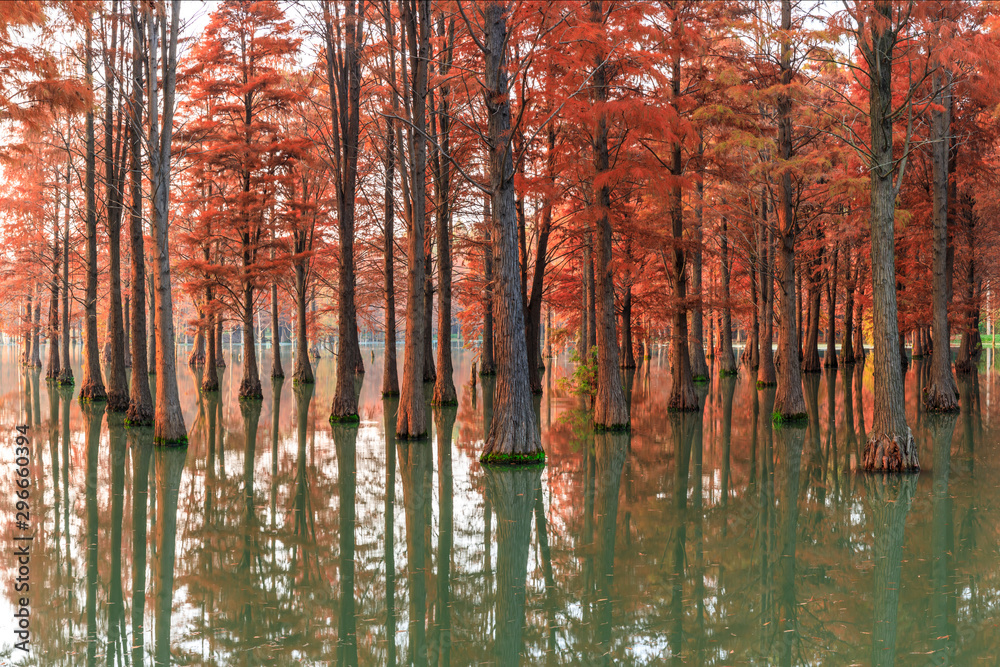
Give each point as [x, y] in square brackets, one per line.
[810, 360]
[140, 405]
[276, 369]
[830, 358]
[250, 387]
[890, 446]
[343, 68]
[513, 437]
[628, 354]
[682, 394]
[765, 250]
[487, 359]
[444, 384]
[725, 355]
[169, 420]
[52, 364]
[430, 373]
[92, 384]
[610, 409]
[65, 369]
[696, 342]
[534, 314]
[390, 380]
[847, 348]
[411, 418]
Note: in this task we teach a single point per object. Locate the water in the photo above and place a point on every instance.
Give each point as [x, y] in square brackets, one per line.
[705, 539]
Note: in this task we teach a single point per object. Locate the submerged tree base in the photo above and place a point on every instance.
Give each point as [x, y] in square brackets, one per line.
[686, 408]
[496, 458]
[795, 418]
[728, 374]
[884, 453]
[764, 385]
[138, 423]
[345, 419]
[171, 442]
[940, 402]
[700, 378]
[410, 437]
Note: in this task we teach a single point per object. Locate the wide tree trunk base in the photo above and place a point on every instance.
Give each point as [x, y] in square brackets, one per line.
[303, 377]
[137, 415]
[891, 454]
[118, 402]
[761, 384]
[940, 400]
[65, 378]
[196, 359]
[92, 392]
[498, 459]
[210, 385]
[250, 390]
[965, 367]
[277, 374]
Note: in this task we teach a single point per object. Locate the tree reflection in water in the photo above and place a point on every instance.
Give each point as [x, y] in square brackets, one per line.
[713, 538]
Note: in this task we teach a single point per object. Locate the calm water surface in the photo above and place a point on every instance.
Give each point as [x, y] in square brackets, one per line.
[704, 539]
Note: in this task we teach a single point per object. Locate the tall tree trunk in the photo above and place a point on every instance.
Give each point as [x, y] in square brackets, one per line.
[582, 348]
[36, 327]
[725, 356]
[343, 68]
[52, 365]
[682, 394]
[140, 405]
[588, 259]
[390, 380]
[788, 400]
[830, 358]
[696, 341]
[66, 368]
[628, 355]
[151, 363]
[513, 437]
[250, 382]
[610, 408]
[444, 384]
[430, 373]
[847, 349]
[169, 420]
[534, 315]
[411, 418]
[487, 360]
[890, 445]
[197, 356]
[210, 374]
[92, 385]
[765, 250]
[810, 360]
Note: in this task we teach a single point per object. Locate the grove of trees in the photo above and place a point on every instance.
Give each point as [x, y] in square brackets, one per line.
[592, 176]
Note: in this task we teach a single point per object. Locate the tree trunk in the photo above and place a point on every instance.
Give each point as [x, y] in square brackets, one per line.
[250, 382]
[588, 260]
[534, 315]
[847, 349]
[140, 406]
[410, 419]
[52, 364]
[751, 348]
[444, 384]
[696, 342]
[810, 360]
[890, 446]
[210, 374]
[487, 361]
[169, 420]
[513, 436]
[36, 327]
[628, 355]
[610, 408]
[830, 358]
[682, 394]
[788, 400]
[92, 385]
[276, 369]
[197, 356]
[151, 362]
[65, 369]
[765, 250]
[726, 358]
[390, 380]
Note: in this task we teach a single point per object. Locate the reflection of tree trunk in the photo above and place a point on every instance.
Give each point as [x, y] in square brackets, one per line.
[789, 445]
[682, 427]
[512, 492]
[444, 424]
[116, 609]
[250, 410]
[610, 450]
[345, 439]
[765, 532]
[93, 417]
[889, 503]
[415, 463]
[141, 444]
[943, 598]
[388, 412]
[545, 551]
[169, 470]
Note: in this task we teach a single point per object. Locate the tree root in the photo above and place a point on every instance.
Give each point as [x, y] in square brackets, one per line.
[886, 453]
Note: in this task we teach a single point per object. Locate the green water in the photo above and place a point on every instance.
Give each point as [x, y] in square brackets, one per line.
[704, 539]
